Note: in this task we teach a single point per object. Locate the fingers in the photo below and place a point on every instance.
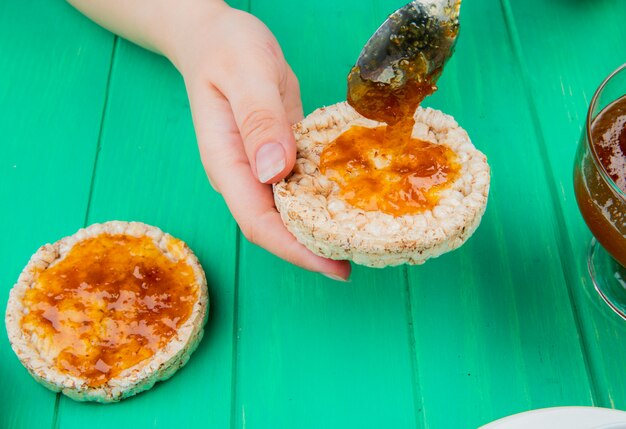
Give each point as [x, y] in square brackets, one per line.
[264, 103]
[250, 201]
[265, 129]
[261, 224]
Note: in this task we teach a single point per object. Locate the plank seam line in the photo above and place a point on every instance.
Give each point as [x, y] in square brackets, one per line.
[55, 414]
[100, 131]
[565, 249]
[235, 339]
[418, 406]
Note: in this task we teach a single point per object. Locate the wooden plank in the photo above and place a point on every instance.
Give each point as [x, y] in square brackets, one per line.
[565, 53]
[313, 352]
[149, 170]
[53, 75]
[495, 331]
[318, 352]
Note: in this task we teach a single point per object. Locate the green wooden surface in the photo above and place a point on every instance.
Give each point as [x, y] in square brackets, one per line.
[93, 128]
[560, 93]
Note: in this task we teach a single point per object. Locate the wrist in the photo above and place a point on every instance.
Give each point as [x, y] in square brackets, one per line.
[185, 28]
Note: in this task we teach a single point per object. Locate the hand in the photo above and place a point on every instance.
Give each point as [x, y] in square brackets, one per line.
[244, 98]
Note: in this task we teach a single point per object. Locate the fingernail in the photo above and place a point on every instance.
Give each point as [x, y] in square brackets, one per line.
[336, 278]
[270, 160]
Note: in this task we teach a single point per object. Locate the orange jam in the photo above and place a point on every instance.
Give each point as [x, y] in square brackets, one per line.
[385, 102]
[112, 302]
[385, 169]
[381, 169]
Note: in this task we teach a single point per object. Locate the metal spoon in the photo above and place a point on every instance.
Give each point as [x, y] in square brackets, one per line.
[422, 32]
[402, 61]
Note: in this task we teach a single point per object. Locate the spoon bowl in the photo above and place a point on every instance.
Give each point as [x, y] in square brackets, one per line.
[400, 64]
[414, 42]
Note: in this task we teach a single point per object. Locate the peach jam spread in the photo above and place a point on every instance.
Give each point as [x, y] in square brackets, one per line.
[384, 102]
[384, 169]
[112, 302]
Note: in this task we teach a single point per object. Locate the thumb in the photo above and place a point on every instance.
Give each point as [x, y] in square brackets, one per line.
[264, 127]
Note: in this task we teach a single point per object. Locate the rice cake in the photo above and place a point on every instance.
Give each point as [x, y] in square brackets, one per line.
[313, 208]
[107, 312]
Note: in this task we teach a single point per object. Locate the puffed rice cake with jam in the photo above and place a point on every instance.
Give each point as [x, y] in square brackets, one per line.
[156, 311]
[312, 209]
